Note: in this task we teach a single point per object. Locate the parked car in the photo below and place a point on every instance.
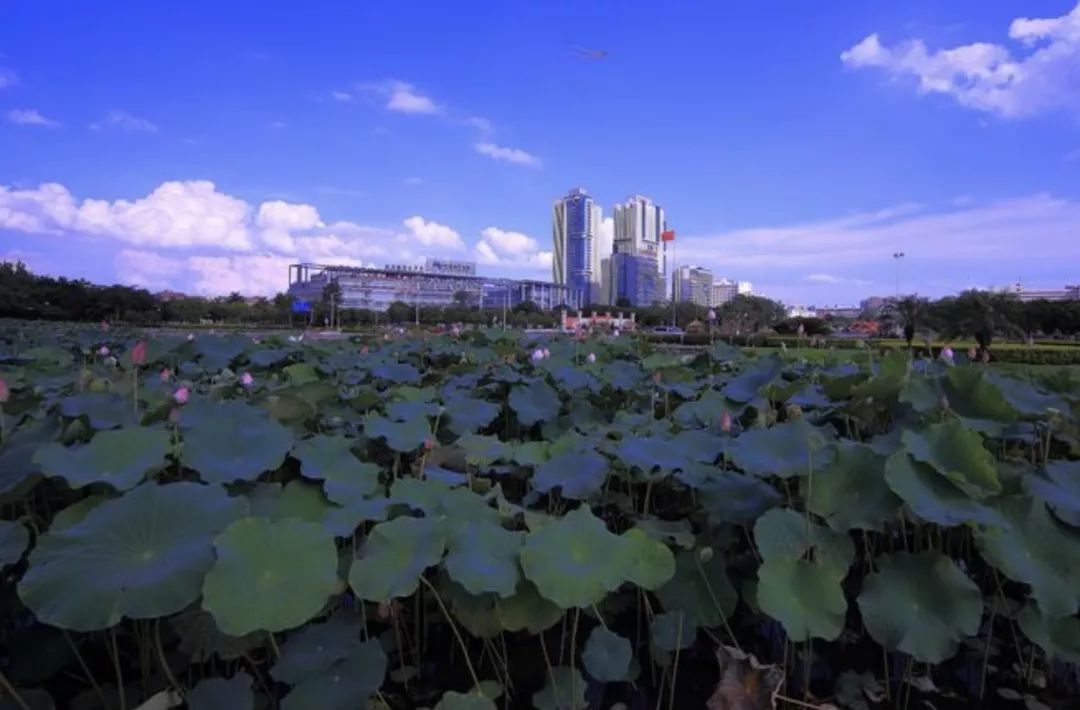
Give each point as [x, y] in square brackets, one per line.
[667, 330]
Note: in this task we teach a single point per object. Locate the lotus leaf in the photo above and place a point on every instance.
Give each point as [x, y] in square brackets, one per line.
[933, 497]
[527, 610]
[730, 497]
[14, 537]
[783, 534]
[142, 555]
[345, 685]
[403, 436]
[923, 394]
[701, 589]
[201, 640]
[32, 699]
[921, 605]
[468, 414]
[806, 597]
[1057, 484]
[17, 467]
[43, 652]
[330, 458]
[221, 694]
[271, 575]
[700, 445]
[300, 373]
[298, 499]
[649, 562]
[672, 630]
[565, 690]
[1023, 396]
[675, 532]
[1036, 550]
[851, 492]
[393, 557]
[237, 444]
[811, 397]
[104, 410]
[397, 372]
[119, 457]
[973, 395]
[1058, 637]
[483, 557]
[753, 379]
[647, 453]
[483, 450]
[958, 454]
[577, 474]
[534, 402]
[314, 648]
[570, 560]
[475, 612]
[785, 450]
[452, 700]
[621, 375]
[571, 378]
[607, 656]
[75, 512]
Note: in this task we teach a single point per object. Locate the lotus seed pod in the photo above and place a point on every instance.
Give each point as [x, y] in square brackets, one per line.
[705, 554]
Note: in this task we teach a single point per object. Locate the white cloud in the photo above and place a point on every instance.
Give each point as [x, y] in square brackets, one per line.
[500, 247]
[403, 97]
[30, 117]
[1043, 77]
[342, 96]
[8, 77]
[509, 155]
[482, 124]
[147, 269]
[124, 121]
[278, 220]
[830, 279]
[432, 233]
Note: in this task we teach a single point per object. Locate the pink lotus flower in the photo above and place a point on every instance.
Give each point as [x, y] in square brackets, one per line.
[947, 354]
[455, 331]
[725, 422]
[547, 353]
[190, 337]
[591, 358]
[537, 355]
[165, 374]
[428, 444]
[103, 351]
[104, 325]
[364, 350]
[138, 353]
[4, 393]
[181, 395]
[246, 379]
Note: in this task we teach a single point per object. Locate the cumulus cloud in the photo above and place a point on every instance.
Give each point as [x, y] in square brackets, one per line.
[508, 155]
[1043, 76]
[500, 247]
[432, 233]
[402, 97]
[277, 221]
[30, 117]
[124, 121]
[342, 96]
[8, 77]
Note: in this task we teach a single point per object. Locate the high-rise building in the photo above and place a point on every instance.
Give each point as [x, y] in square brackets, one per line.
[693, 284]
[726, 290]
[575, 224]
[635, 279]
[639, 224]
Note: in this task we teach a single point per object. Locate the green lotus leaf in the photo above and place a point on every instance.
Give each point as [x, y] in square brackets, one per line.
[271, 575]
[483, 450]
[43, 652]
[923, 394]
[649, 562]
[1058, 484]
[932, 497]
[527, 610]
[701, 589]
[672, 532]
[237, 444]
[119, 457]
[887, 382]
[728, 496]
[222, 694]
[297, 499]
[475, 612]
[1058, 637]
[201, 640]
[400, 410]
[811, 397]
[18, 471]
[76, 512]
[467, 414]
[571, 377]
[314, 648]
[958, 454]
[1023, 396]
[403, 437]
[219, 352]
[577, 474]
[483, 557]
[397, 372]
[607, 656]
[571, 562]
[700, 445]
[345, 685]
[973, 395]
[783, 534]
[851, 492]
[534, 453]
[754, 378]
[1036, 550]
[104, 410]
[621, 375]
[14, 537]
[646, 453]
[393, 557]
[785, 450]
[140, 556]
[453, 700]
[32, 699]
[300, 373]
[704, 411]
[564, 690]
[673, 630]
[921, 605]
[534, 402]
[805, 597]
[330, 458]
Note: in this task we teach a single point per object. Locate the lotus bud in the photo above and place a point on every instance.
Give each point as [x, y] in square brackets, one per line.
[972, 354]
[104, 325]
[190, 337]
[181, 395]
[138, 353]
[725, 422]
[705, 554]
[4, 394]
[947, 354]
[547, 353]
[110, 361]
[591, 358]
[455, 331]
[103, 351]
[165, 374]
[255, 340]
[174, 416]
[428, 444]
[246, 379]
[537, 355]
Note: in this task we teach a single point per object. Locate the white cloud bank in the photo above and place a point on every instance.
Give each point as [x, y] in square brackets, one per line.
[509, 249]
[515, 156]
[30, 117]
[1043, 76]
[402, 97]
[124, 121]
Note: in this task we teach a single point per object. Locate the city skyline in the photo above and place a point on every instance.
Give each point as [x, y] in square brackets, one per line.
[310, 134]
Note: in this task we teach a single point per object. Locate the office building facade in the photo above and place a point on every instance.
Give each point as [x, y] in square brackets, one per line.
[726, 290]
[693, 284]
[636, 279]
[576, 221]
[639, 224]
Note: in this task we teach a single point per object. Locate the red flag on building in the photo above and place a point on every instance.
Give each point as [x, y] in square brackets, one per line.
[668, 236]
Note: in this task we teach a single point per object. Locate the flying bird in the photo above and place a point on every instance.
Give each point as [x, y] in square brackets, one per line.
[590, 53]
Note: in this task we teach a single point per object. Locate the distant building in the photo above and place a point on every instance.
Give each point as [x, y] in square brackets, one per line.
[575, 226]
[438, 282]
[170, 295]
[635, 277]
[639, 224]
[1069, 293]
[838, 311]
[874, 304]
[726, 290]
[693, 284]
[801, 312]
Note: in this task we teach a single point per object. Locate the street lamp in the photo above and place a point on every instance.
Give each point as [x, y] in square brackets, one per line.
[897, 257]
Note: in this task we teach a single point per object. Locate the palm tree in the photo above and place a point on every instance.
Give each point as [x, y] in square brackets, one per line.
[981, 314]
[911, 311]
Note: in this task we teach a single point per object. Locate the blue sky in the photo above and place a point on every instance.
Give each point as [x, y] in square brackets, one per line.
[204, 146]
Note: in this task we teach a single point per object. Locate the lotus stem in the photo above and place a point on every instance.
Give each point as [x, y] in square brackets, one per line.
[116, 667]
[550, 669]
[573, 653]
[274, 646]
[986, 654]
[675, 665]
[716, 603]
[454, 628]
[401, 647]
[10, 690]
[799, 703]
[86, 669]
[164, 662]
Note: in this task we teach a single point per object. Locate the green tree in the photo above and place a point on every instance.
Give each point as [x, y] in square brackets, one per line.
[910, 313]
[749, 314]
[399, 312]
[978, 314]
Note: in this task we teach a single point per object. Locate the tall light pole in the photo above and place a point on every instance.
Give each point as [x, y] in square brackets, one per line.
[898, 256]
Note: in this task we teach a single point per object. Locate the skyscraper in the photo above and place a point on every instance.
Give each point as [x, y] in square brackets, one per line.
[637, 269]
[575, 224]
[693, 284]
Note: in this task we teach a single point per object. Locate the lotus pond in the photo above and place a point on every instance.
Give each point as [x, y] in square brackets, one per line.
[469, 523]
